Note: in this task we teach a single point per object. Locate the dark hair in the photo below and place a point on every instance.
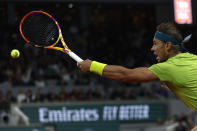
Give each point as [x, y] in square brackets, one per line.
[170, 29]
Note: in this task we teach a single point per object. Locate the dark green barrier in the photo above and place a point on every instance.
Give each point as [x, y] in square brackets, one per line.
[22, 129]
[100, 115]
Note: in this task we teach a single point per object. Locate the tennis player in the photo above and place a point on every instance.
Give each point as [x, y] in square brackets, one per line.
[175, 67]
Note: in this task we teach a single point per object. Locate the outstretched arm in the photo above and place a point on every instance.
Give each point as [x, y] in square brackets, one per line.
[123, 74]
[120, 73]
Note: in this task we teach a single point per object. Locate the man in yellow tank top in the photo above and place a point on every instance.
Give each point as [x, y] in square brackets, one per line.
[176, 68]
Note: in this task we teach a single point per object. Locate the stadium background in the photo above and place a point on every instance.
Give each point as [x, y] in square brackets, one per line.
[56, 95]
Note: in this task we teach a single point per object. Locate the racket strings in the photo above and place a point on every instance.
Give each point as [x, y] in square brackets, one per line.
[40, 29]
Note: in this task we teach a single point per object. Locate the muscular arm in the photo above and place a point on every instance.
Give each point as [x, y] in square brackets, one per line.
[123, 74]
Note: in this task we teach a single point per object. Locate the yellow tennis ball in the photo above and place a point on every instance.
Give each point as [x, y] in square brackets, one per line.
[15, 53]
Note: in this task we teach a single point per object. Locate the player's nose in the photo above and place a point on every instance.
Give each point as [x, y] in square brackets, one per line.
[152, 48]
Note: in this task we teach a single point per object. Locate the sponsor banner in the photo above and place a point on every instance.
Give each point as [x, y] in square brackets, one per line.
[66, 113]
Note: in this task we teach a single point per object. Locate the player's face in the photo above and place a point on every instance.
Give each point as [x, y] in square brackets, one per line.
[158, 49]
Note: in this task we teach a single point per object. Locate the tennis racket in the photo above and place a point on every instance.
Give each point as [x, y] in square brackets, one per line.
[41, 30]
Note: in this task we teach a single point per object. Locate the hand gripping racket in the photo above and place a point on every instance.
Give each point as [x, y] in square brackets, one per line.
[41, 30]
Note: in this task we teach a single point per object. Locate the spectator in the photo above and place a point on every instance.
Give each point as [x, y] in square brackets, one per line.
[21, 96]
[63, 95]
[9, 96]
[40, 97]
[52, 97]
[12, 115]
[29, 97]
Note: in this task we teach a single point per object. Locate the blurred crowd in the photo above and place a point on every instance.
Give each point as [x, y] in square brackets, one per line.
[178, 122]
[113, 34]
[61, 94]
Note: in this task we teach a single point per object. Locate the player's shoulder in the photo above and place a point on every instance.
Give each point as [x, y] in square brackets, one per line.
[183, 59]
[186, 55]
[162, 65]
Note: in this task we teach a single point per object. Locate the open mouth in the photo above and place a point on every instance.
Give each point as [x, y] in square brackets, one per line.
[157, 58]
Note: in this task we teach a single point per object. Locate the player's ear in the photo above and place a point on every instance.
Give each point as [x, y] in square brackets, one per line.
[168, 46]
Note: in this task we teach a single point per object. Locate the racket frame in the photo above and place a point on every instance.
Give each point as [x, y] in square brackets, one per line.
[65, 48]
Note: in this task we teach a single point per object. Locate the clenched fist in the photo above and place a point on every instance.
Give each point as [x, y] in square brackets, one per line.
[85, 65]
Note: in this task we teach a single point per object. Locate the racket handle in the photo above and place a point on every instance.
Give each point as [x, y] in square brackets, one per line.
[74, 56]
